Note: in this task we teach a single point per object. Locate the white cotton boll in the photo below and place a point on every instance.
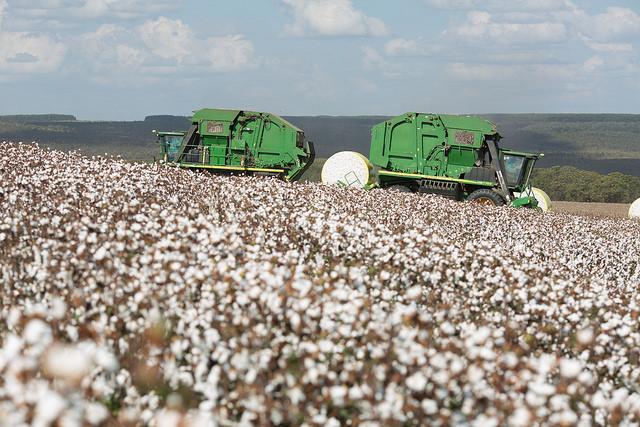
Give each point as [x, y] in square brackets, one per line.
[623, 331]
[542, 388]
[414, 293]
[585, 336]
[106, 360]
[417, 381]
[325, 346]
[72, 332]
[14, 317]
[586, 378]
[241, 361]
[302, 286]
[520, 418]
[100, 254]
[456, 366]
[295, 395]
[340, 295]
[37, 332]
[598, 400]
[570, 368]
[545, 363]
[485, 421]
[276, 417]
[294, 320]
[481, 335]
[430, 407]
[338, 393]
[67, 363]
[566, 417]
[96, 413]
[356, 393]
[255, 292]
[58, 308]
[168, 418]
[618, 398]
[332, 422]
[448, 328]
[49, 407]
[10, 349]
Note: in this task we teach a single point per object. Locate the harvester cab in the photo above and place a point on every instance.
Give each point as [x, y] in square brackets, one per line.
[170, 143]
[512, 171]
[234, 141]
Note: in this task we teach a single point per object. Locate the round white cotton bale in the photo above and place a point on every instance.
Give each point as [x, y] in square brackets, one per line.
[634, 210]
[544, 201]
[348, 169]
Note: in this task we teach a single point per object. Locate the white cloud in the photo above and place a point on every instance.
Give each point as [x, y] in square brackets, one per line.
[168, 39]
[228, 53]
[616, 23]
[412, 47]
[453, 4]
[402, 47]
[610, 47]
[332, 18]
[480, 28]
[129, 56]
[90, 9]
[504, 73]
[480, 72]
[503, 5]
[374, 60]
[592, 64]
[24, 53]
[165, 46]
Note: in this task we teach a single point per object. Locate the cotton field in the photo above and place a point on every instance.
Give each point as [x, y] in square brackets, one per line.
[140, 294]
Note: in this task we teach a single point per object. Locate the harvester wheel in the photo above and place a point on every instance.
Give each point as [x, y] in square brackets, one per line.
[399, 189]
[486, 197]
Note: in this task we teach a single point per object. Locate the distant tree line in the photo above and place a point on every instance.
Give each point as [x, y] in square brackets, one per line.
[574, 185]
[37, 118]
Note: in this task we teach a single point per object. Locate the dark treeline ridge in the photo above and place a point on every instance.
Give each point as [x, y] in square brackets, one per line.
[38, 118]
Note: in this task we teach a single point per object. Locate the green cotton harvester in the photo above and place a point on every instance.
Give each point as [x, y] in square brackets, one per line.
[239, 141]
[455, 156]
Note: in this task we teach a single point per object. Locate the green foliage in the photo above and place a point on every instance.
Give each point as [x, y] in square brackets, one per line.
[571, 184]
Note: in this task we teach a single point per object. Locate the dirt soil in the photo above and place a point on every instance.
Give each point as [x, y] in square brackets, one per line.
[611, 210]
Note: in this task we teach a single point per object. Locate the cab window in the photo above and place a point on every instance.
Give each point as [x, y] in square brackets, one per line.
[513, 166]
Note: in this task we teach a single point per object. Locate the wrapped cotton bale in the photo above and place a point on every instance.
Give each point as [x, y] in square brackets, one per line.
[348, 169]
[544, 202]
[634, 210]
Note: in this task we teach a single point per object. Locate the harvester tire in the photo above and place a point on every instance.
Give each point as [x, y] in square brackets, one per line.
[486, 197]
[399, 189]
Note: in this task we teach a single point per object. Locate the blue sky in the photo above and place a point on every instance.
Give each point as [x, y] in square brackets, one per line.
[125, 59]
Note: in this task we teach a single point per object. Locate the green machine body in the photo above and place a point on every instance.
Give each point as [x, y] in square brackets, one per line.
[455, 156]
[239, 141]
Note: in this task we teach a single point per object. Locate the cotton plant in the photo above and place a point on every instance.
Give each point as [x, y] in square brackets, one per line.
[140, 294]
